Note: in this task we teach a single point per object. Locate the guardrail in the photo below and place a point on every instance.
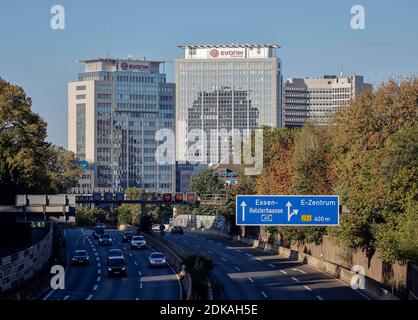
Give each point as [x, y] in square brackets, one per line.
[20, 267]
[176, 261]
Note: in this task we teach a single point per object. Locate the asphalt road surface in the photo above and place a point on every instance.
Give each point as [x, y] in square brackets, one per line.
[90, 282]
[247, 273]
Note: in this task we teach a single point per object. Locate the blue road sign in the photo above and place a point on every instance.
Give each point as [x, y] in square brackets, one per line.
[295, 210]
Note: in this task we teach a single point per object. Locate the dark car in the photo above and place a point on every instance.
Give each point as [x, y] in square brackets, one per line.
[97, 232]
[105, 240]
[127, 236]
[116, 266]
[177, 229]
[80, 257]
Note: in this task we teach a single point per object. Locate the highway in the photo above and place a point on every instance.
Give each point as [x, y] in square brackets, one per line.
[249, 274]
[90, 282]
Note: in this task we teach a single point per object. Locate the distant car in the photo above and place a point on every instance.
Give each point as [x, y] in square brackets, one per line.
[105, 240]
[155, 227]
[115, 253]
[127, 236]
[80, 257]
[97, 232]
[177, 229]
[138, 242]
[157, 259]
[116, 266]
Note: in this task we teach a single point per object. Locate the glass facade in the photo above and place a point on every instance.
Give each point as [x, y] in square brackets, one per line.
[228, 94]
[130, 107]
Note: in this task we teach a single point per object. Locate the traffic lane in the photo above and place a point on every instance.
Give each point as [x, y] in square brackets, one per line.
[141, 283]
[78, 278]
[319, 284]
[114, 287]
[159, 283]
[243, 267]
[237, 289]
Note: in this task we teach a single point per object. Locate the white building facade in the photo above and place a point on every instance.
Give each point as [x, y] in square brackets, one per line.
[115, 108]
[316, 100]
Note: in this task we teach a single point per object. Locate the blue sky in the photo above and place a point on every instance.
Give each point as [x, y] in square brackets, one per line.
[315, 36]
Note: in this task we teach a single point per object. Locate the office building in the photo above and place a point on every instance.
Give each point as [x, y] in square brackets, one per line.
[225, 88]
[115, 108]
[316, 100]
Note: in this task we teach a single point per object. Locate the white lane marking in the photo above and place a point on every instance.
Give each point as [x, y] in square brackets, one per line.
[282, 271]
[294, 279]
[339, 280]
[99, 265]
[301, 271]
[238, 269]
[210, 252]
[197, 245]
[49, 294]
[130, 254]
[307, 288]
[95, 287]
[136, 263]
[96, 254]
[99, 271]
[248, 254]
[251, 280]
[319, 298]
[264, 295]
[223, 259]
[124, 248]
[140, 273]
[271, 265]
[238, 250]
[140, 285]
[259, 259]
[98, 279]
[94, 249]
[97, 258]
[66, 297]
[89, 297]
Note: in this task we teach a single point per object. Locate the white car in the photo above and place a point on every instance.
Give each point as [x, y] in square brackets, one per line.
[138, 242]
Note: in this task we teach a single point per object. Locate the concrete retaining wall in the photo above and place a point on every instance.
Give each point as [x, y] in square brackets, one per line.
[372, 288]
[22, 266]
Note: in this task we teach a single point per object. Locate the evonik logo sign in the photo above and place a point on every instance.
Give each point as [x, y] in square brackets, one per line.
[215, 53]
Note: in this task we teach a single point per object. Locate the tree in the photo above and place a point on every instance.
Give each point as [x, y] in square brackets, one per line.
[375, 169]
[63, 169]
[206, 182]
[23, 150]
[29, 164]
[199, 268]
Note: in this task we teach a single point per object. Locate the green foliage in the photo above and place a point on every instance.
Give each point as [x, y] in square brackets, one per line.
[88, 217]
[206, 182]
[145, 223]
[63, 169]
[199, 268]
[28, 164]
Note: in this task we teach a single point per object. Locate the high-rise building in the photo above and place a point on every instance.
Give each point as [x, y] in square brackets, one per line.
[115, 108]
[316, 100]
[225, 87]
